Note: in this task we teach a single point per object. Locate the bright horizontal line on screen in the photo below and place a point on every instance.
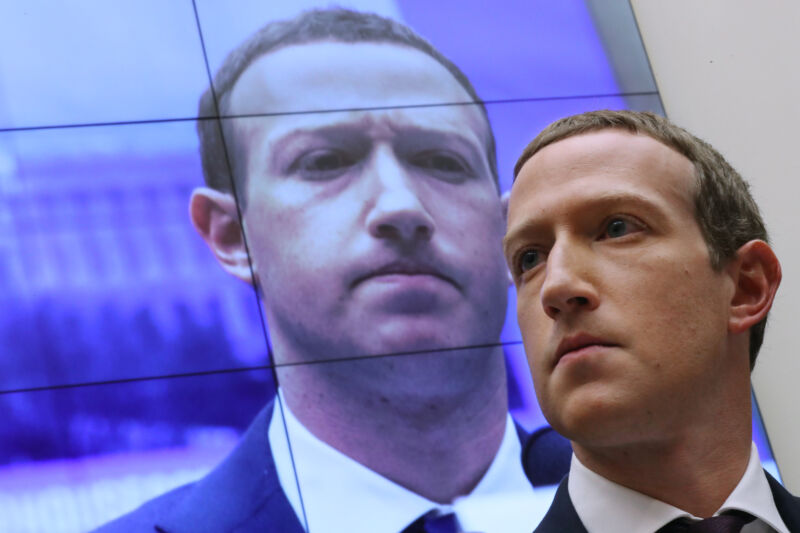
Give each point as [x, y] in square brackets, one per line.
[318, 111]
[252, 368]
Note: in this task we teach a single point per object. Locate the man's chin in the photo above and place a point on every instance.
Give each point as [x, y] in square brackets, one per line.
[408, 339]
[426, 370]
[593, 425]
[376, 332]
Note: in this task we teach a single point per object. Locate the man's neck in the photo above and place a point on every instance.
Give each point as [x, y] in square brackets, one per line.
[694, 471]
[436, 439]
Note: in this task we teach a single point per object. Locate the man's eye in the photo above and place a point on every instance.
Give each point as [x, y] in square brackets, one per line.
[441, 162]
[323, 164]
[529, 259]
[619, 227]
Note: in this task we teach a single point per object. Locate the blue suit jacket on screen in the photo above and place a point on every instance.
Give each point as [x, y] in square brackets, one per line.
[562, 518]
[244, 494]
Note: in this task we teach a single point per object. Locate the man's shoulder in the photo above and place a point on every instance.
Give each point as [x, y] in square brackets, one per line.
[241, 493]
[147, 517]
[244, 488]
[788, 505]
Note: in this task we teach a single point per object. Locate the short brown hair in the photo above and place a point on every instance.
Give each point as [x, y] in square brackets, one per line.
[724, 208]
[338, 25]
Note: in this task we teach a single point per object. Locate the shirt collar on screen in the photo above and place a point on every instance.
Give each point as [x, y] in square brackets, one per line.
[340, 494]
[602, 504]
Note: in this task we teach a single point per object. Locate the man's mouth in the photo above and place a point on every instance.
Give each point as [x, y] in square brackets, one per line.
[401, 268]
[577, 342]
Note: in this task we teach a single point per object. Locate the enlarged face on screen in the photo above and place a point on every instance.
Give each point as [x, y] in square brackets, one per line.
[370, 231]
[623, 318]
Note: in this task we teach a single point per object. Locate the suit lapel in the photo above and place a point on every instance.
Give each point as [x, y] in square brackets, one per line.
[243, 493]
[561, 517]
[788, 505]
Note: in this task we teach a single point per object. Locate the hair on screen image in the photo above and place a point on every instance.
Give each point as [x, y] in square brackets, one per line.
[218, 148]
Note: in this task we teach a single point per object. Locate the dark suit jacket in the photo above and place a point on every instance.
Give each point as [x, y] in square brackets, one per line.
[243, 493]
[562, 518]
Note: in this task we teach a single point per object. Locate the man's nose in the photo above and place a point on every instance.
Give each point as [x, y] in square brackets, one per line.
[568, 285]
[397, 212]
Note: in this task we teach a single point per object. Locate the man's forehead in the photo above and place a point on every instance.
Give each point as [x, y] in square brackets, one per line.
[302, 88]
[598, 151]
[608, 146]
[328, 75]
[605, 162]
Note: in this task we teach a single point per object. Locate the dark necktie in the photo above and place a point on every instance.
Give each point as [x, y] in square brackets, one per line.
[434, 521]
[728, 522]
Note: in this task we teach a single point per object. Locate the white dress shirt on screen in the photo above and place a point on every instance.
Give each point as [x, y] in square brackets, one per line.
[603, 505]
[341, 495]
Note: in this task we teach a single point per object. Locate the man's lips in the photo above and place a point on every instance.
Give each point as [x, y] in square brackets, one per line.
[403, 267]
[577, 342]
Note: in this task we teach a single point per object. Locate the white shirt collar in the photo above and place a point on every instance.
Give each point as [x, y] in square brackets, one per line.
[603, 505]
[339, 494]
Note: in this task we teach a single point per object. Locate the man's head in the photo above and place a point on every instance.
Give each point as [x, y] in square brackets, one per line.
[218, 147]
[372, 229]
[635, 310]
[723, 207]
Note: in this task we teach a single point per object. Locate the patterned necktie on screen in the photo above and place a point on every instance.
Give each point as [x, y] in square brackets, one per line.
[434, 521]
[728, 522]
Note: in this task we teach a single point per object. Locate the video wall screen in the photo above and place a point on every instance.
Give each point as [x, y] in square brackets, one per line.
[311, 251]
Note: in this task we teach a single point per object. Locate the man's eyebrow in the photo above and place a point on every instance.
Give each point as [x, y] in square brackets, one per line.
[368, 122]
[605, 200]
[424, 135]
[614, 198]
[332, 130]
[525, 228]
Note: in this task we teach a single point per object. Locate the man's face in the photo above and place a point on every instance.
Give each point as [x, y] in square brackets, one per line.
[623, 318]
[371, 231]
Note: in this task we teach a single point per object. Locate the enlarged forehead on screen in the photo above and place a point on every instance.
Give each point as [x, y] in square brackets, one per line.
[377, 89]
[218, 148]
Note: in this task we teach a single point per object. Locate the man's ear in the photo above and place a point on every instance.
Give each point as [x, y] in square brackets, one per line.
[756, 272]
[504, 203]
[216, 219]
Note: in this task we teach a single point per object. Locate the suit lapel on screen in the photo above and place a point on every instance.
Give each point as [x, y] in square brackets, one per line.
[243, 493]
